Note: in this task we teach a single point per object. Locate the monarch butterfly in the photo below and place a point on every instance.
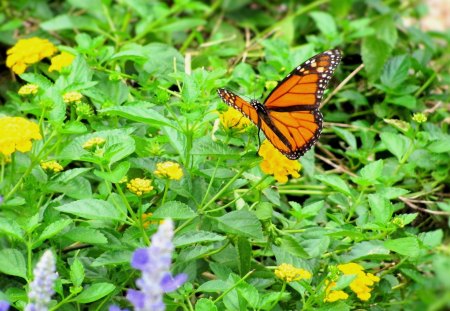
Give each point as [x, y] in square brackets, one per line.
[290, 116]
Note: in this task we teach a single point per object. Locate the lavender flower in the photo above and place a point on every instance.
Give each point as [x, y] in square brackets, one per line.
[41, 289]
[154, 262]
[4, 305]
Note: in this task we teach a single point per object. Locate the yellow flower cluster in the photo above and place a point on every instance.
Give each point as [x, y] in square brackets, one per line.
[72, 97]
[59, 61]
[289, 273]
[93, 142]
[169, 170]
[276, 164]
[419, 117]
[28, 89]
[233, 119]
[361, 285]
[16, 133]
[51, 166]
[140, 186]
[28, 51]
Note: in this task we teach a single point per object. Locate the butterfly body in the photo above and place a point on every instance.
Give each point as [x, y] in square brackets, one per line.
[290, 116]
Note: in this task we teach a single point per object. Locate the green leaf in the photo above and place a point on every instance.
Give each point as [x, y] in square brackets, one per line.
[381, 208]
[241, 223]
[121, 257]
[374, 53]
[174, 210]
[244, 251]
[12, 262]
[404, 246]
[193, 237]
[11, 229]
[397, 144]
[94, 292]
[204, 304]
[53, 229]
[86, 235]
[325, 22]
[395, 71]
[140, 112]
[334, 182]
[292, 246]
[91, 209]
[76, 272]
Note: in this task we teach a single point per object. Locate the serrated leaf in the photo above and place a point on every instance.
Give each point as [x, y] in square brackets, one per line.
[174, 210]
[241, 223]
[91, 209]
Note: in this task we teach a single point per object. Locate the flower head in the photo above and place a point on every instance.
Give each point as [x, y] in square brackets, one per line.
[28, 89]
[154, 263]
[169, 170]
[419, 117]
[334, 295]
[94, 142]
[41, 289]
[52, 166]
[289, 273]
[233, 119]
[72, 97]
[59, 61]
[140, 186]
[28, 51]
[277, 164]
[16, 133]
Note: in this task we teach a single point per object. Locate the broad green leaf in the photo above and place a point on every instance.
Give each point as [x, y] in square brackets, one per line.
[91, 209]
[397, 144]
[193, 237]
[174, 210]
[334, 182]
[241, 223]
[381, 208]
[12, 262]
[140, 112]
[11, 229]
[119, 257]
[204, 304]
[86, 235]
[94, 292]
[77, 272]
[404, 246]
[53, 229]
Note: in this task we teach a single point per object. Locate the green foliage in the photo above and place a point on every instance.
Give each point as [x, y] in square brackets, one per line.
[373, 192]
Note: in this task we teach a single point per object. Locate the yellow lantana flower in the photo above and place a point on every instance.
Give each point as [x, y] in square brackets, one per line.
[16, 133]
[361, 285]
[289, 273]
[233, 119]
[169, 170]
[72, 97]
[140, 186]
[59, 61]
[333, 295]
[28, 51]
[28, 89]
[276, 164]
[51, 166]
[93, 142]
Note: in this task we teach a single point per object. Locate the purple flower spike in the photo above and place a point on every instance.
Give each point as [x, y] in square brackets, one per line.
[41, 289]
[4, 305]
[154, 263]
